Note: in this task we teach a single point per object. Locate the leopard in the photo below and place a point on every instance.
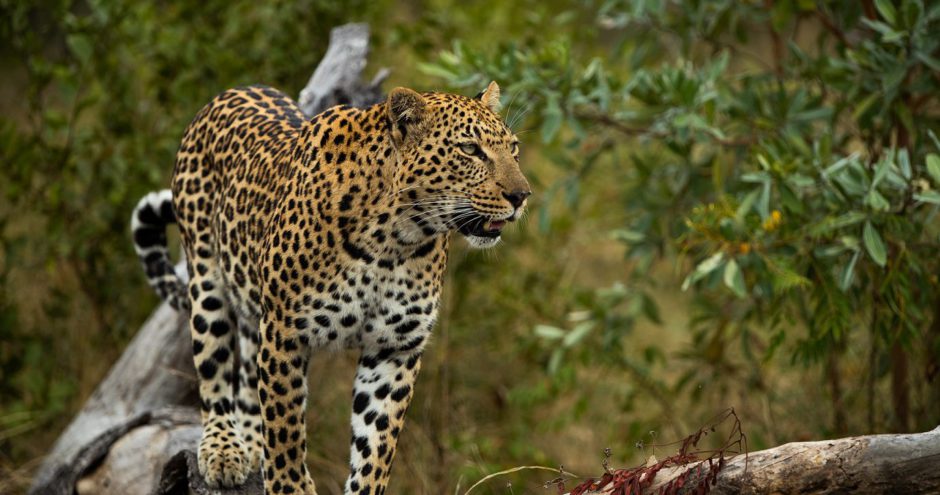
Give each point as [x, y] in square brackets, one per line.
[303, 235]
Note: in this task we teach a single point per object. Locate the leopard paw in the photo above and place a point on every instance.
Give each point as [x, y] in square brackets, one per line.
[255, 453]
[311, 487]
[223, 459]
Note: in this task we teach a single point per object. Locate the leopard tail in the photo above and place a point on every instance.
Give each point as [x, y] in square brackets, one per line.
[148, 224]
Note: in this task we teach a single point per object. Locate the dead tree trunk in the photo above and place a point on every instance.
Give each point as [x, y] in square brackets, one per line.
[145, 410]
[861, 465]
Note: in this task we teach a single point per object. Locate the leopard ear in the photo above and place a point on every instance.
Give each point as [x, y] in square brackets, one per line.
[490, 96]
[406, 114]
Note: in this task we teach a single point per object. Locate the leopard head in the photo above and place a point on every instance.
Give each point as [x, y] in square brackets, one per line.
[458, 164]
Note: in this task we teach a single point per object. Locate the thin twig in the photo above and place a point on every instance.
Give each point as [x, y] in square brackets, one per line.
[517, 469]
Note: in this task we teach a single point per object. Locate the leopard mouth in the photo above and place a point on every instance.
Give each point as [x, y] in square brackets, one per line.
[481, 226]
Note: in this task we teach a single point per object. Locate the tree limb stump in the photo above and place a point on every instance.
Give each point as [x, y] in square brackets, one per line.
[337, 80]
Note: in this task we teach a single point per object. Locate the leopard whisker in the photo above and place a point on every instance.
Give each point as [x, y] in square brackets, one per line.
[439, 212]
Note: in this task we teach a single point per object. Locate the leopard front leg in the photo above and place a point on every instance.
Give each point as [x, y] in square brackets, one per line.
[383, 389]
[282, 389]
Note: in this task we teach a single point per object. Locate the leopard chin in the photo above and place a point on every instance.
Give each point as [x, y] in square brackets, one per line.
[482, 232]
[480, 242]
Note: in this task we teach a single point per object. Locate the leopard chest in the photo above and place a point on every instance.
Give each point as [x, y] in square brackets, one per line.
[372, 309]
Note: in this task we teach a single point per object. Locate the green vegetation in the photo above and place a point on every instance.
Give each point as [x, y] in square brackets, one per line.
[736, 205]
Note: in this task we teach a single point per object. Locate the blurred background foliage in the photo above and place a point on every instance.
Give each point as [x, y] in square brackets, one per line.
[736, 205]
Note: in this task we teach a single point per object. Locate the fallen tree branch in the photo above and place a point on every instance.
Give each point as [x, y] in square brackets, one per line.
[155, 372]
[905, 463]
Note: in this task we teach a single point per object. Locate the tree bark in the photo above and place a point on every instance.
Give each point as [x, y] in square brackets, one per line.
[337, 80]
[155, 372]
[145, 410]
[860, 465]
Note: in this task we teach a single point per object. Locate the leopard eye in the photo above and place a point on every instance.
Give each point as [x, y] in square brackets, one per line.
[515, 148]
[471, 149]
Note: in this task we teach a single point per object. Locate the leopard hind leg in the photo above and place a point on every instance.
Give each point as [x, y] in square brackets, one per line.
[224, 459]
[247, 404]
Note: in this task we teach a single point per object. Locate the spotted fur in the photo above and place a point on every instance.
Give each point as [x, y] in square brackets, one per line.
[325, 233]
[148, 223]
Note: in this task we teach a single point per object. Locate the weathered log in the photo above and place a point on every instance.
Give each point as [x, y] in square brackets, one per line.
[127, 465]
[128, 412]
[905, 463]
[156, 371]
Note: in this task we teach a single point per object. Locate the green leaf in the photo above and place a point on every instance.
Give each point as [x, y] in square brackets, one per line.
[81, 46]
[864, 105]
[932, 197]
[850, 242]
[650, 308]
[877, 201]
[628, 236]
[848, 273]
[784, 277]
[838, 165]
[577, 334]
[929, 61]
[549, 332]
[874, 244]
[880, 171]
[551, 119]
[813, 114]
[437, 71]
[886, 9]
[763, 203]
[904, 161]
[746, 204]
[888, 35]
[450, 58]
[933, 137]
[734, 279]
[789, 199]
[829, 224]
[933, 167]
[703, 269]
[554, 362]
[613, 294]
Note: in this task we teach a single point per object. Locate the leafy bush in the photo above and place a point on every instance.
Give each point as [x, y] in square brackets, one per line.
[784, 155]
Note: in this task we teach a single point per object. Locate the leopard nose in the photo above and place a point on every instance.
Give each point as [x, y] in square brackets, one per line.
[516, 198]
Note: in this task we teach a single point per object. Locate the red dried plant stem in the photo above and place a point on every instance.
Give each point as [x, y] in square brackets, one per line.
[632, 481]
